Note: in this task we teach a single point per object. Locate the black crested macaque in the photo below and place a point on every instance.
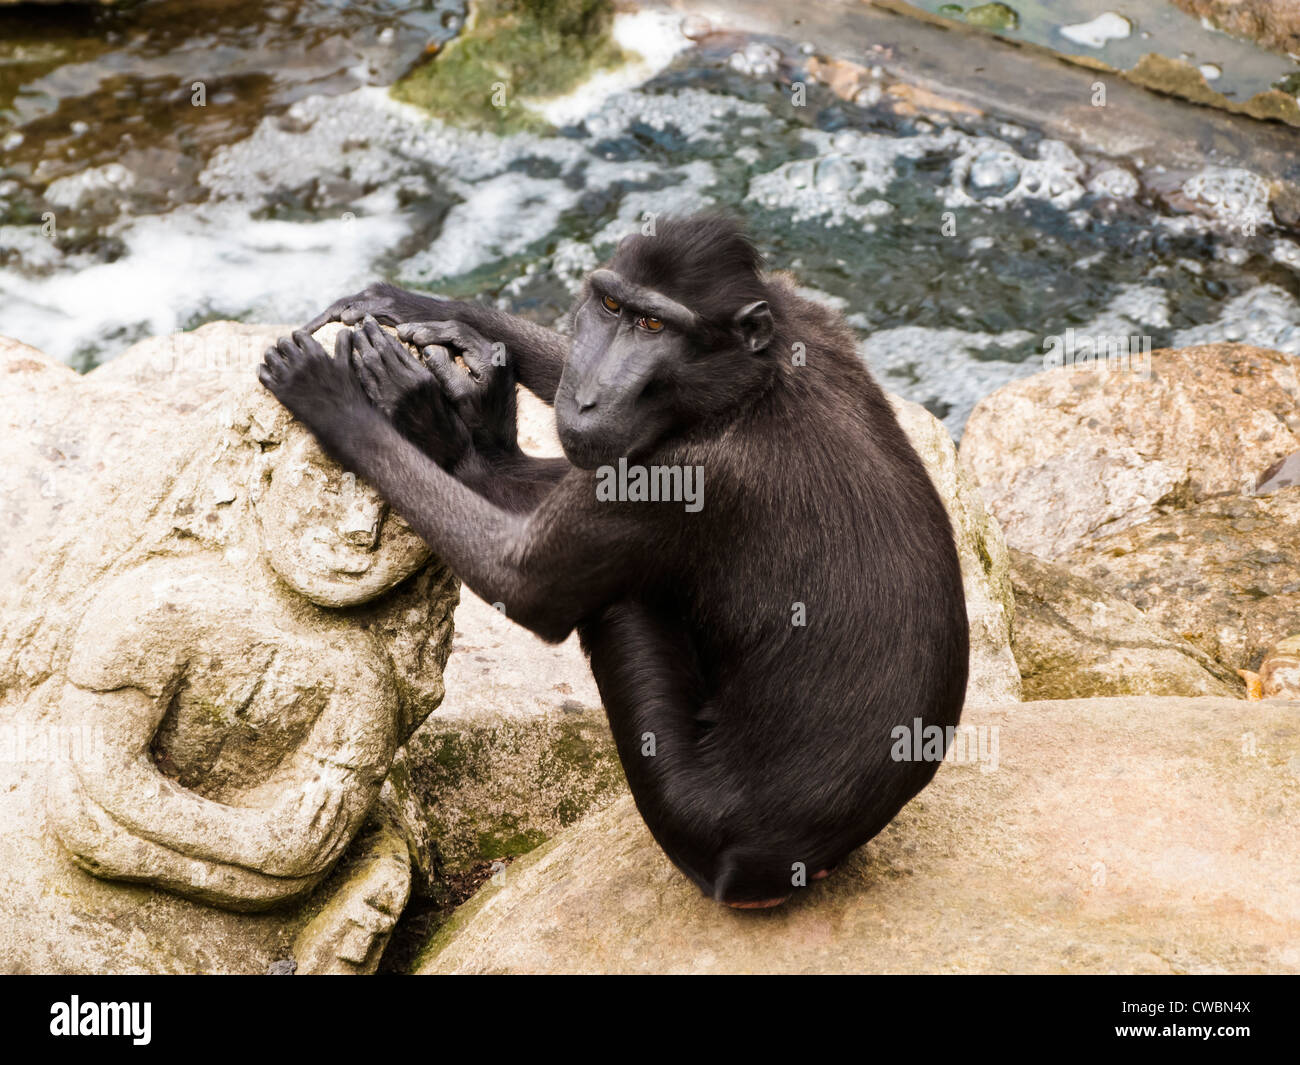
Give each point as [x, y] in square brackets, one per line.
[758, 657]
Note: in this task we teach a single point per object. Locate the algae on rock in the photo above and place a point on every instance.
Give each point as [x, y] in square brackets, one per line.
[512, 51]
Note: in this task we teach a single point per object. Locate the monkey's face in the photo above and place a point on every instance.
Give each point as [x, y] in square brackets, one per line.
[642, 368]
[614, 397]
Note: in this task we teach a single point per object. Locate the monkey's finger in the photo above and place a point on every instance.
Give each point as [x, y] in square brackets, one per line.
[396, 356]
[423, 333]
[481, 360]
[381, 343]
[308, 344]
[378, 336]
[325, 317]
[449, 375]
[273, 360]
[379, 357]
[362, 347]
[374, 390]
[362, 368]
[427, 350]
[332, 313]
[417, 333]
[343, 347]
[471, 345]
[288, 350]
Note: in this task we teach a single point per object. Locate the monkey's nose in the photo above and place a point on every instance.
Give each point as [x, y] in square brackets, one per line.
[584, 403]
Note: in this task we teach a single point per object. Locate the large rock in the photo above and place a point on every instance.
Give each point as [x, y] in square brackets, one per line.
[1074, 641]
[1105, 835]
[985, 565]
[1224, 575]
[1285, 473]
[1070, 455]
[205, 675]
[189, 369]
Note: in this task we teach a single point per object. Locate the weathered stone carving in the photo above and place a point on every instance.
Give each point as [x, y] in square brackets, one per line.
[221, 647]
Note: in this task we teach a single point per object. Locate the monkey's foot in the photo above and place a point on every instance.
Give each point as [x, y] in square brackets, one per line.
[764, 904]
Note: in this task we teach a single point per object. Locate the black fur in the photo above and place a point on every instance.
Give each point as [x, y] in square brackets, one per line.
[772, 741]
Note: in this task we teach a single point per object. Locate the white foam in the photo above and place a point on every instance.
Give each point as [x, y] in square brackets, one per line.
[1267, 317]
[1109, 26]
[182, 264]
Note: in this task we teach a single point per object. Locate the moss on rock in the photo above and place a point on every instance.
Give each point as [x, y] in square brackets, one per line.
[512, 51]
[496, 788]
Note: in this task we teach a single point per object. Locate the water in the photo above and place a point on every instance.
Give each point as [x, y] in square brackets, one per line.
[954, 245]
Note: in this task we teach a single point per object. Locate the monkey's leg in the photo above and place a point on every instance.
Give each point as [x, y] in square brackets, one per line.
[658, 707]
[536, 352]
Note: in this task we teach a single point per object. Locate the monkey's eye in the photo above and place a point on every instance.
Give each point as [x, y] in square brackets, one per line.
[610, 304]
[650, 325]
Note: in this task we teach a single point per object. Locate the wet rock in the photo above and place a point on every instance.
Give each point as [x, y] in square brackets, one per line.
[1223, 574]
[1234, 196]
[1075, 641]
[1115, 835]
[1177, 78]
[846, 79]
[756, 60]
[1070, 455]
[1108, 26]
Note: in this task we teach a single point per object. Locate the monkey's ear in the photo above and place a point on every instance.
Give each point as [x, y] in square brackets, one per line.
[753, 325]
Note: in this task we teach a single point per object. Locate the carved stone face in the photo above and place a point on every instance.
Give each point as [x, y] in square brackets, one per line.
[327, 535]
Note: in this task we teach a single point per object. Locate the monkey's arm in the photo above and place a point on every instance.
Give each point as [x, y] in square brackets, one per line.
[551, 567]
[515, 483]
[537, 353]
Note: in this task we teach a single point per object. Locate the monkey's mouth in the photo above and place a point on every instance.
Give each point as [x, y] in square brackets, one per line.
[588, 450]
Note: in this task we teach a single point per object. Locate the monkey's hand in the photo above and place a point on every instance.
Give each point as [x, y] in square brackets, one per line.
[321, 392]
[407, 393]
[483, 391]
[387, 304]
